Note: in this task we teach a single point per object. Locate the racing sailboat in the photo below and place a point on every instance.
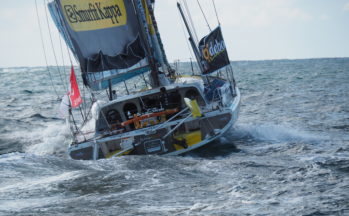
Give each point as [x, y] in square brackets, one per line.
[165, 113]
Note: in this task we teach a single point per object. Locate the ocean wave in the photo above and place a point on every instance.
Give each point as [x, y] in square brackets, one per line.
[39, 116]
[287, 154]
[273, 132]
[53, 139]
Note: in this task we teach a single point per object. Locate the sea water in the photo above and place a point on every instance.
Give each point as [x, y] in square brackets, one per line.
[288, 153]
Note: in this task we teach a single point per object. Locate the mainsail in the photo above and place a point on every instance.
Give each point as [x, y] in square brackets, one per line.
[105, 36]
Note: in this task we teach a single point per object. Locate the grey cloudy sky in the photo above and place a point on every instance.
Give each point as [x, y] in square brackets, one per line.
[253, 30]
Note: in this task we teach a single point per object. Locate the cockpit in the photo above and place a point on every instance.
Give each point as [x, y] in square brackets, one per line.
[145, 110]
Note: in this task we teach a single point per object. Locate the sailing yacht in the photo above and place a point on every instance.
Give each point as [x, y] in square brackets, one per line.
[115, 41]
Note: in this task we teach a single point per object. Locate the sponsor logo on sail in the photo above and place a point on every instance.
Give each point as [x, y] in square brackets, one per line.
[213, 49]
[94, 14]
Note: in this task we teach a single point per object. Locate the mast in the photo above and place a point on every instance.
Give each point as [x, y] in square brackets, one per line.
[191, 40]
[157, 36]
[151, 22]
[147, 39]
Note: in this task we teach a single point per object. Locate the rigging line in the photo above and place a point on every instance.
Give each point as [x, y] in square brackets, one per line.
[84, 103]
[53, 50]
[203, 14]
[71, 62]
[65, 36]
[231, 79]
[196, 40]
[92, 96]
[83, 90]
[82, 114]
[76, 127]
[215, 10]
[88, 114]
[191, 23]
[43, 47]
[64, 69]
[187, 41]
[145, 81]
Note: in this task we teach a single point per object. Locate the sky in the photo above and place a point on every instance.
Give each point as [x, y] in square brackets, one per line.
[252, 29]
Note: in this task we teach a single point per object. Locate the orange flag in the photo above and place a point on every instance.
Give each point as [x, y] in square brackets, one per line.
[74, 95]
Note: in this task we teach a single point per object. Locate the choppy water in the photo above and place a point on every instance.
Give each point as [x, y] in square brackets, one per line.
[288, 154]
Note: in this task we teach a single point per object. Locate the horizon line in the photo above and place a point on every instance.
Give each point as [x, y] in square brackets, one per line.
[182, 61]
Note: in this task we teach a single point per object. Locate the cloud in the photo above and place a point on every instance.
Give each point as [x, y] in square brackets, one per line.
[20, 36]
[324, 17]
[264, 13]
[297, 14]
[252, 13]
[346, 7]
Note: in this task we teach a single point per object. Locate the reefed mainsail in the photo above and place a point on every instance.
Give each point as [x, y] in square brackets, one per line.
[104, 33]
[105, 36]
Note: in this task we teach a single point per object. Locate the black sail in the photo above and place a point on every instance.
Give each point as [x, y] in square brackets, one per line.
[104, 34]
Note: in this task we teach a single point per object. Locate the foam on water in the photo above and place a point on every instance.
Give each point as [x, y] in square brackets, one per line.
[273, 132]
[54, 139]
